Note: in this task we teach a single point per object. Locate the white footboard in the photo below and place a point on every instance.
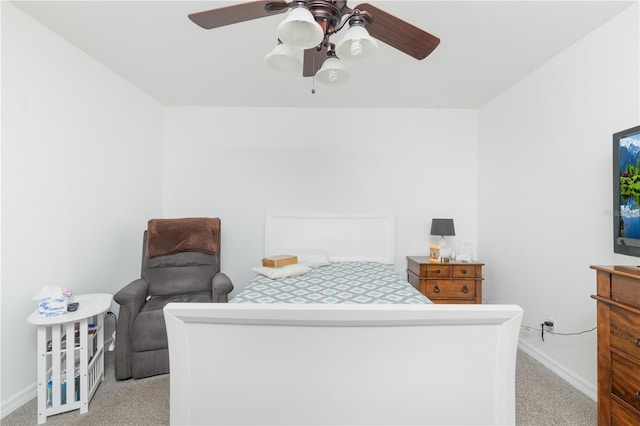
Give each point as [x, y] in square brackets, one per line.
[342, 364]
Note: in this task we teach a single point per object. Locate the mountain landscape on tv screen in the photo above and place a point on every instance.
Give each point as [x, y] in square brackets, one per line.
[630, 186]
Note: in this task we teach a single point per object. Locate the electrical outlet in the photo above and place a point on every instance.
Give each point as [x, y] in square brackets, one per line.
[550, 325]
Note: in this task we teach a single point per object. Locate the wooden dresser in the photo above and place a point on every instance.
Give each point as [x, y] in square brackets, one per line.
[618, 296]
[454, 282]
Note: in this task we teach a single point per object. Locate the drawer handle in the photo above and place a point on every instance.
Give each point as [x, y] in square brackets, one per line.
[465, 289]
[637, 342]
[438, 271]
[638, 395]
[464, 271]
[436, 289]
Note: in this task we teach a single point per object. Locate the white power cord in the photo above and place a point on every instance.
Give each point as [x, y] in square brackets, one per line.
[112, 345]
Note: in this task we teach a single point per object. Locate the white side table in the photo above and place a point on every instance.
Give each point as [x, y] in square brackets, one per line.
[70, 368]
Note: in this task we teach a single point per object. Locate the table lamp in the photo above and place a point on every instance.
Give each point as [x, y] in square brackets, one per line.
[443, 228]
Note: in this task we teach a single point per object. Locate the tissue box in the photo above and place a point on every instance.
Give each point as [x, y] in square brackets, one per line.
[52, 307]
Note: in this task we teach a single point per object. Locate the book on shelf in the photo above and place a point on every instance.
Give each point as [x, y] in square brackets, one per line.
[279, 260]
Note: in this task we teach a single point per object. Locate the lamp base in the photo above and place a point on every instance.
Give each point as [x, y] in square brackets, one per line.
[445, 250]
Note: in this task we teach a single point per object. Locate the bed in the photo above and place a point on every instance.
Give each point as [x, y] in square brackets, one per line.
[331, 363]
[335, 282]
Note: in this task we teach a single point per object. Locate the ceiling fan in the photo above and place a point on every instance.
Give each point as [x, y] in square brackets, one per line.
[310, 24]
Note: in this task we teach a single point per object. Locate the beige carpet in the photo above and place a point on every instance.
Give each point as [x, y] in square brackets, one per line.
[542, 399]
[128, 402]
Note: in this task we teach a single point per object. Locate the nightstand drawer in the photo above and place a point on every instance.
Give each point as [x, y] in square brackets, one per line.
[625, 382]
[454, 301]
[625, 331]
[448, 289]
[438, 270]
[463, 271]
[422, 267]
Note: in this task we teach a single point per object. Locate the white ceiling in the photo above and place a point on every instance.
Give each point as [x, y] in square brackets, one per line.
[485, 47]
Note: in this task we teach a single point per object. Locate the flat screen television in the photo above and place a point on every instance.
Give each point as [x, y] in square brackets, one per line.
[626, 192]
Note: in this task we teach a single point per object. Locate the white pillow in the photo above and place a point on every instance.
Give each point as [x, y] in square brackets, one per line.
[312, 258]
[282, 271]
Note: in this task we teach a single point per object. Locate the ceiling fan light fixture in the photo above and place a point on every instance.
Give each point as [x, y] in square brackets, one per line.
[332, 72]
[356, 43]
[300, 29]
[284, 59]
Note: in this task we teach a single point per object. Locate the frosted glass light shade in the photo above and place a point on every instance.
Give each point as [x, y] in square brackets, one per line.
[356, 44]
[284, 59]
[332, 72]
[300, 29]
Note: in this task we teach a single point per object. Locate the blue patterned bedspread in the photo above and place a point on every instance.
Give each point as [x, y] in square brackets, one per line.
[338, 282]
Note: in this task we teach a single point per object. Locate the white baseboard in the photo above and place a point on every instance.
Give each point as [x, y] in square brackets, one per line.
[18, 400]
[575, 381]
[27, 394]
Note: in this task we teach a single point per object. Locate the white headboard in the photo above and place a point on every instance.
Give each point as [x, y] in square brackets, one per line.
[345, 236]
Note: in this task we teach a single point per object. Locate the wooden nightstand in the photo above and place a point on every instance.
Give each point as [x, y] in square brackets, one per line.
[454, 282]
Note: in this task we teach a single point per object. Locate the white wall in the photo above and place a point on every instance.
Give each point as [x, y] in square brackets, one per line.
[545, 189]
[81, 173]
[236, 163]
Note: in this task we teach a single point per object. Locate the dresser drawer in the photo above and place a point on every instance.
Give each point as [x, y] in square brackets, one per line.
[448, 289]
[621, 415]
[625, 331]
[625, 381]
[625, 290]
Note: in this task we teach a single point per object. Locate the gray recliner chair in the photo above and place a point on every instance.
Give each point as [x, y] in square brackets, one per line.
[180, 263]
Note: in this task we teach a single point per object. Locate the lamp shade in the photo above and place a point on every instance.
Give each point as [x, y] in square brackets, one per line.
[284, 59]
[332, 71]
[300, 29]
[357, 43]
[442, 227]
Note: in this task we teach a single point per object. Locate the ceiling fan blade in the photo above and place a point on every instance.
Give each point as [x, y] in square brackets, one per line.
[313, 60]
[399, 34]
[235, 13]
